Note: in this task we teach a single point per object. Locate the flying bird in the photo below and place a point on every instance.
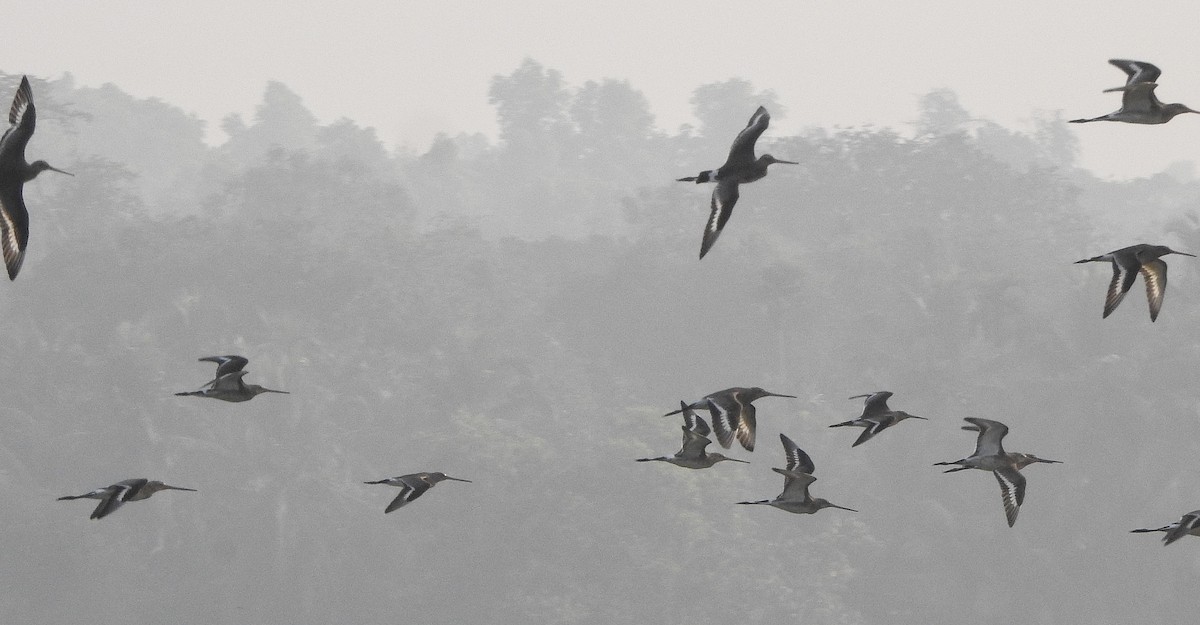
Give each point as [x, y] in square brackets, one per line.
[990, 456]
[412, 486]
[1127, 263]
[228, 385]
[695, 439]
[732, 413]
[876, 416]
[796, 479]
[1188, 525]
[14, 173]
[740, 167]
[112, 497]
[1139, 105]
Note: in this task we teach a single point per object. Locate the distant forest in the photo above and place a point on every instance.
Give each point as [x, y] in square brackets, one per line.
[520, 312]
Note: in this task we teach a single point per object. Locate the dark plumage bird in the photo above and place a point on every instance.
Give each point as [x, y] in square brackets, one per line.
[228, 385]
[412, 486]
[732, 413]
[796, 479]
[990, 456]
[14, 173]
[695, 439]
[112, 497]
[876, 416]
[740, 167]
[1127, 263]
[1188, 525]
[1139, 105]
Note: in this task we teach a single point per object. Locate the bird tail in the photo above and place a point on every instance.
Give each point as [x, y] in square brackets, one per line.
[704, 176]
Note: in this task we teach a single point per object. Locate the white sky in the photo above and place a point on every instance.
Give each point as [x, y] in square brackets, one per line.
[411, 69]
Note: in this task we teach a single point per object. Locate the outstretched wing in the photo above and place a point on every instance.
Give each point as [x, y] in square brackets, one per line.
[1154, 274]
[874, 425]
[724, 196]
[876, 403]
[693, 422]
[1137, 71]
[694, 444]
[1123, 277]
[991, 433]
[413, 487]
[742, 150]
[795, 485]
[1189, 523]
[230, 382]
[1012, 492]
[797, 460]
[22, 117]
[226, 364]
[14, 227]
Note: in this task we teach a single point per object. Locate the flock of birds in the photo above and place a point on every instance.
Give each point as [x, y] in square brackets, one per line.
[731, 410]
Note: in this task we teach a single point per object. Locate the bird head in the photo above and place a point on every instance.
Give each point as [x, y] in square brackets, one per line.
[823, 503]
[757, 392]
[1175, 109]
[1021, 461]
[768, 159]
[41, 166]
[155, 486]
[434, 478]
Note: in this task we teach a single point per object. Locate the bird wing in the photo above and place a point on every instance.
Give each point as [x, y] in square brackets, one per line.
[747, 424]
[693, 422]
[22, 118]
[226, 364]
[694, 444]
[876, 403]
[874, 425]
[797, 460]
[1138, 71]
[110, 501]
[1012, 491]
[1186, 525]
[1154, 274]
[1123, 277]
[230, 382]
[724, 196]
[742, 150]
[14, 227]
[795, 484]
[723, 410]
[132, 487]
[1139, 97]
[413, 487]
[991, 433]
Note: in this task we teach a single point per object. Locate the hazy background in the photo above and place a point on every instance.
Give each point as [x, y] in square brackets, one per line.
[414, 69]
[517, 306]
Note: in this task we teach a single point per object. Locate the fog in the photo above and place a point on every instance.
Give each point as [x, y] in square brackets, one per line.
[520, 312]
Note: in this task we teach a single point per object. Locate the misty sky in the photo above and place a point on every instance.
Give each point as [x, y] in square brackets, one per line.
[523, 315]
[412, 69]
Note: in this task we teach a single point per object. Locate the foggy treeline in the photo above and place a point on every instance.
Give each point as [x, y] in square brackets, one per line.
[520, 312]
